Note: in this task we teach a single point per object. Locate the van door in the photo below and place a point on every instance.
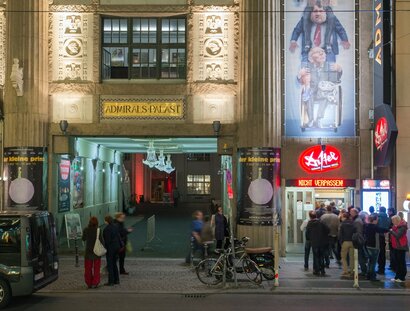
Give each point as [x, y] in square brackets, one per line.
[43, 250]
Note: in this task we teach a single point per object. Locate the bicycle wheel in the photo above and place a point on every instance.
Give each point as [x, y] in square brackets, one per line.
[210, 271]
[252, 271]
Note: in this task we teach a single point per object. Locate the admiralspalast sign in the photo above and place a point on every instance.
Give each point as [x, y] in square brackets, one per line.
[162, 109]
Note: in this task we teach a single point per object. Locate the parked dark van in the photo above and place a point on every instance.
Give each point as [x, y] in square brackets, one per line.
[28, 253]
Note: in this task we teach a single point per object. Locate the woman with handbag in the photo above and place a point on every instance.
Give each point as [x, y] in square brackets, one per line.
[92, 262]
[398, 236]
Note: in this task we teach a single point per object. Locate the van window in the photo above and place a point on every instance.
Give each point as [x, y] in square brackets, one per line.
[10, 241]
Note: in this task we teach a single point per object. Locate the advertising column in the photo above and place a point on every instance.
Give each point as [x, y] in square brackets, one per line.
[25, 178]
[259, 186]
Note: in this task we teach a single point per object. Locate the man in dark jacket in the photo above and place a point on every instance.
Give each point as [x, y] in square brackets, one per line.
[317, 233]
[384, 223]
[112, 244]
[372, 235]
[120, 223]
[358, 226]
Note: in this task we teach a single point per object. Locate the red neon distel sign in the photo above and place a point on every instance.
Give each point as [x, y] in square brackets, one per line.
[320, 159]
[381, 133]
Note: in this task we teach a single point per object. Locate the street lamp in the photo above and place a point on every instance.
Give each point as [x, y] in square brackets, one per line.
[64, 126]
[216, 125]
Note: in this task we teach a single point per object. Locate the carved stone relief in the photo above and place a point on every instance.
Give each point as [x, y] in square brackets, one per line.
[73, 108]
[214, 45]
[72, 46]
[208, 108]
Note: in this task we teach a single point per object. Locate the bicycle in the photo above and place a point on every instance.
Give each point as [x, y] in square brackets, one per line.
[212, 271]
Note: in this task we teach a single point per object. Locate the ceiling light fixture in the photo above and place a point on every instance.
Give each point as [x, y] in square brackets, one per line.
[168, 166]
[151, 160]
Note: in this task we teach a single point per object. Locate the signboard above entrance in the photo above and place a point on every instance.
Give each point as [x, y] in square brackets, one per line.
[320, 159]
[143, 108]
[321, 183]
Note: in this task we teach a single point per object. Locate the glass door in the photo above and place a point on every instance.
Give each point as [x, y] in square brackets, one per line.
[299, 202]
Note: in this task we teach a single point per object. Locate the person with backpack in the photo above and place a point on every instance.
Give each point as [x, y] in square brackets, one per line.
[359, 241]
[112, 242]
[384, 224]
[400, 244]
[92, 262]
[346, 231]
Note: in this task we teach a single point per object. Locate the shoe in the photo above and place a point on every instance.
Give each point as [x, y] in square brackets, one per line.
[109, 284]
[323, 273]
[400, 281]
[393, 280]
[124, 273]
[327, 267]
[381, 272]
[116, 283]
[331, 257]
[316, 273]
[306, 269]
[94, 286]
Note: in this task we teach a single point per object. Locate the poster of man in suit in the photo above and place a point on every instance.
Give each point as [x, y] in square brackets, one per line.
[319, 68]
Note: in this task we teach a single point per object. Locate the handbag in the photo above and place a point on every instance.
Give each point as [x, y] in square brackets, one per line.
[99, 249]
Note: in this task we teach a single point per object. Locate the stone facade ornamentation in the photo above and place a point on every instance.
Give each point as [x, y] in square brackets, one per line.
[2, 48]
[214, 47]
[16, 77]
[72, 46]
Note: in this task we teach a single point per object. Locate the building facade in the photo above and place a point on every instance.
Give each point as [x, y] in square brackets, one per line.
[170, 68]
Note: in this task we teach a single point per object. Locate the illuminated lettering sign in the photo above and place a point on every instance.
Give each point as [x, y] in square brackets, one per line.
[373, 184]
[321, 158]
[321, 183]
[112, 109]
[381, 133]
[378, 33]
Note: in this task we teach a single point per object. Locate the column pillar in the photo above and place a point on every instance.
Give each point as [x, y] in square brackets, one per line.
[26, 116]
[260, 86]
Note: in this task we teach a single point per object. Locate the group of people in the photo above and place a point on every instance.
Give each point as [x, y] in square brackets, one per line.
[206, 230]
[114, 238]
[330, 231]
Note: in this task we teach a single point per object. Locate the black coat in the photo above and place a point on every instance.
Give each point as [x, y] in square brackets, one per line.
[317, 233]
[112, 240]
[122, 231]
[346, 231]
[90, 236]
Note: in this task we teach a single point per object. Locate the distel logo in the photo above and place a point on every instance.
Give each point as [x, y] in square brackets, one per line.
[381, 133]
[319, 159]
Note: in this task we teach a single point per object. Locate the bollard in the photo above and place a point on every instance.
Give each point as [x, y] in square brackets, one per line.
[206, 250]
[356, 268]
[277, 256]
[192, 253]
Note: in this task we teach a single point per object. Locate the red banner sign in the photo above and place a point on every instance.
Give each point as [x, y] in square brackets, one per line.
[320, 159]
[381, 133]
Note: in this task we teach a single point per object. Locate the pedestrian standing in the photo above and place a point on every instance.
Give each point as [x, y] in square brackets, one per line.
[196, 230]
[221, 227]
[358, 225]
[393, 263]
[308, 246]
[332, 222]
[120, 223]
[372, 236]
[398, 236]
[384, 224]
[92, 262]
[176, 195]
[346, 231]
[317, 233]
[112, 244]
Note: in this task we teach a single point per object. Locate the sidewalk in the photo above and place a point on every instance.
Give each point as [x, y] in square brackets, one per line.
[170, 276]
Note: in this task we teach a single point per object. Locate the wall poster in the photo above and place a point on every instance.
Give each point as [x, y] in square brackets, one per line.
[259, 186]
[319, 68]
[78, 181]
[25, 178]
[64, 181]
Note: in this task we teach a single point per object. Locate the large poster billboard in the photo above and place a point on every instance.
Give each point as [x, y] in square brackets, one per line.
[25, 178]
[64, 184]
[258, 186]
[319, 68]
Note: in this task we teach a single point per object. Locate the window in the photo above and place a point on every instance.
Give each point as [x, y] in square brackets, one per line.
[144, 48]
[10, 241]
[199, 184]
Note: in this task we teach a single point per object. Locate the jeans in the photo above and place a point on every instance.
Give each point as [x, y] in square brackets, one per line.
[92, 271]
[333, 248]
[347, 250]
[373, 255]
[382, 254]
[363, 256]
[121, 257]
[318, 259]
[401, 266]
[112, 267]
[308, 246]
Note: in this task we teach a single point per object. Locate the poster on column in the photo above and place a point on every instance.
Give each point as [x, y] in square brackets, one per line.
[25, 182]
[78, 181]
[319, 70]
[64, 183]
[259, 186]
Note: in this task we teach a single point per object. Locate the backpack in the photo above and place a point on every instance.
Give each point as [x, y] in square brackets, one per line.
[358, 240]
